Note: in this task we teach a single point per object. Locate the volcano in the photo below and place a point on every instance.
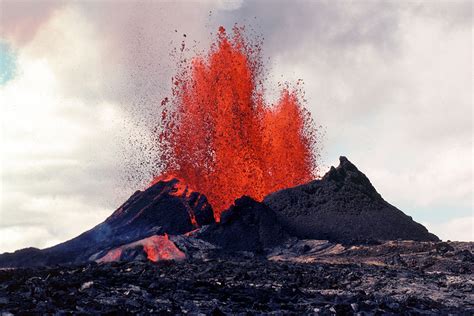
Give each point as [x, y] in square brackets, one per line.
[162, 252]
[341, 207]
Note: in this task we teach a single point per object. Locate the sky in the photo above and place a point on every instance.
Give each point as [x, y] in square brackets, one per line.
[390, 82]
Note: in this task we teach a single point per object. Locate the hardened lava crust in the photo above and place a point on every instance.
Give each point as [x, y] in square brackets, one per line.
[303, 278]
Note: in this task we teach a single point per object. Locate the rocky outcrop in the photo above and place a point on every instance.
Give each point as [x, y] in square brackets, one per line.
[247, 225]
[343, 206]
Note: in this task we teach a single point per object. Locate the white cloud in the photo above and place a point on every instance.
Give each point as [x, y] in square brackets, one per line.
[53, 138]
[457, 229]
[44, 221]
[229, 4]
[17, 237]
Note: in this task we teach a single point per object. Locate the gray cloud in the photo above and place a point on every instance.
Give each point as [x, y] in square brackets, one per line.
[20, 20]
[315, 25]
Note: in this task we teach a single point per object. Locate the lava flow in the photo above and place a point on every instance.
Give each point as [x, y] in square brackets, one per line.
[156, 248]
[221, 138]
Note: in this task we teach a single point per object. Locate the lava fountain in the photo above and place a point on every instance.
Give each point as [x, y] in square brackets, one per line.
[219, 137]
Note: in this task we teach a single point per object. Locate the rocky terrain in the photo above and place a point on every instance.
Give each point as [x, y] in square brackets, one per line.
[301, 277]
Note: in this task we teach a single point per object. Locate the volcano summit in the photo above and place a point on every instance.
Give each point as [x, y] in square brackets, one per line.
[343, 206]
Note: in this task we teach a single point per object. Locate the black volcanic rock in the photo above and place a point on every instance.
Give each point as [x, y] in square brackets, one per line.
[354, 282]
[247, 225]
[164, 207]
[343, 206]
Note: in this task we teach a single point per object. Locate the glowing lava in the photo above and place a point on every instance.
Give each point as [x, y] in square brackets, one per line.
[156, 248]
[220, 138]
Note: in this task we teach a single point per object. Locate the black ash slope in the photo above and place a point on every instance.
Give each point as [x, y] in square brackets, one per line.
[343, 206]
[157, 210]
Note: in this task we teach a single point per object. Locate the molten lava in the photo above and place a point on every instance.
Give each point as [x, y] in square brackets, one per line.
[156, 248]
[220, 138]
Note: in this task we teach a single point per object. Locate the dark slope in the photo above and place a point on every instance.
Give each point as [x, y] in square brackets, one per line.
[247, 225]
[343, 206]
[163, 208]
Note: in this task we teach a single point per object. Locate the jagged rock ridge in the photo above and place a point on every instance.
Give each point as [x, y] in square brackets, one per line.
[343, 206]
[247, 225]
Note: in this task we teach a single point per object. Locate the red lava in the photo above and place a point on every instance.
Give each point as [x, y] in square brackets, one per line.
[221, 139]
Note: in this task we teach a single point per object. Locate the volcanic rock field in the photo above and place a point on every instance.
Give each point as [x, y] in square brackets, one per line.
[331, 246]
